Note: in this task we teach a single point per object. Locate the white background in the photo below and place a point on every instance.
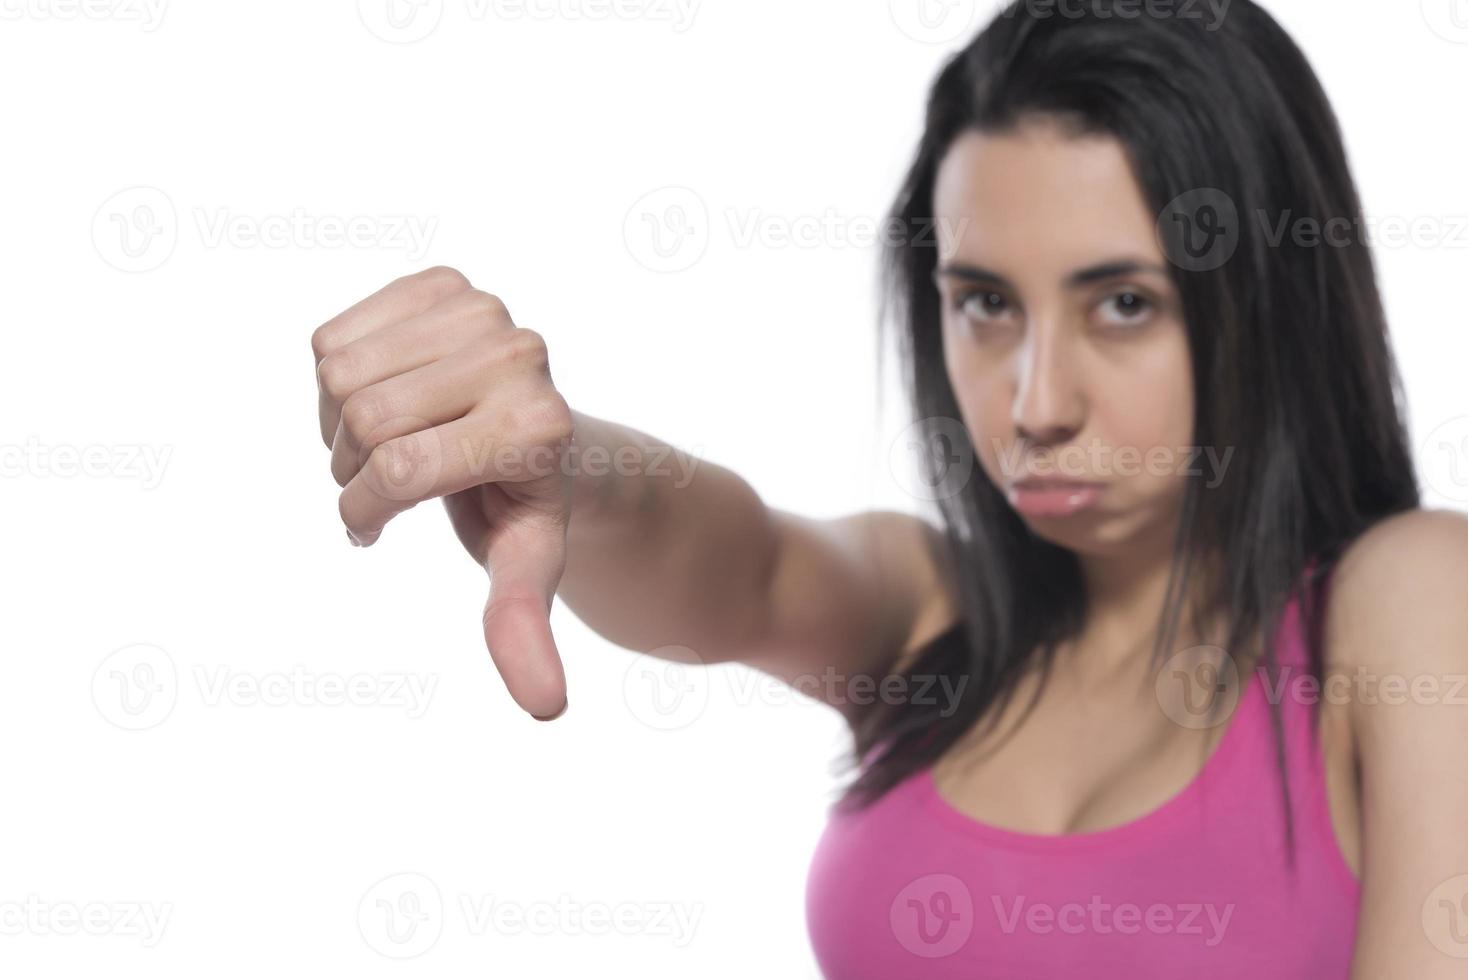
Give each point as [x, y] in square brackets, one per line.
[204, 544]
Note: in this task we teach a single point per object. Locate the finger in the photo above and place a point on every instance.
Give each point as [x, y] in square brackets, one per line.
[403, 297]
[507, 439]
[397, 348]
[525, 563]
[466, 511]
[431, 395]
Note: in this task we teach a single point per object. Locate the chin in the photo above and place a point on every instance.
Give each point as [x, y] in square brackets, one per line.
[1093, 533]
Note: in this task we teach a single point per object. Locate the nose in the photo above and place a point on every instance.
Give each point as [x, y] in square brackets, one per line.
[1049, 405]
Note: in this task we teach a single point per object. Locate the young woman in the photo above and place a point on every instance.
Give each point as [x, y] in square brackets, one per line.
[1174, 690]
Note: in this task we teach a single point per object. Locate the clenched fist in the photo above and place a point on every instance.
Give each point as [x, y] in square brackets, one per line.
[428, 389]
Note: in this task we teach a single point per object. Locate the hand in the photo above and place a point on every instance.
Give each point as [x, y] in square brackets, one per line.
[428, 389]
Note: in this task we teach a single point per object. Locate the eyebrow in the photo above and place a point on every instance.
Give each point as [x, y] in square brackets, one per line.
[1078, 278]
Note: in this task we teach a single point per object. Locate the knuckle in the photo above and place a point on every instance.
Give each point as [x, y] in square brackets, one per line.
[322, 341]
[380, 470]
[443, 278]
[342, 472]
[403, 468]
[335, 374]
[518, 351]
[486, 307]
[497, 604]
[348, 514]
[432, 285]
[526, 346]
[363, 412]
[544, 416]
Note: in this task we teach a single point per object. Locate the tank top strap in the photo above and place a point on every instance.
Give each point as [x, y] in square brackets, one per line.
[1292, 690]
[1287, 685]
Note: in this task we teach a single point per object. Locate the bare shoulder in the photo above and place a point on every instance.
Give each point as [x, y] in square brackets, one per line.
[937, 606]
[1402, 582]
[859, 592]
[1397, 628]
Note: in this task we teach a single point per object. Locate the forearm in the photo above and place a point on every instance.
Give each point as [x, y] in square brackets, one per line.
[664, 548]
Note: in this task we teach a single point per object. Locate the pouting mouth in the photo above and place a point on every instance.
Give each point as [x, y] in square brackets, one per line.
[1042, 483]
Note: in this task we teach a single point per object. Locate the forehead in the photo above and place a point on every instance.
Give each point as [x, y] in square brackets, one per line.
[1039, 197]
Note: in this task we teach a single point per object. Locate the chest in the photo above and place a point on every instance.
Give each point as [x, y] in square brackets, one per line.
[1060, 759]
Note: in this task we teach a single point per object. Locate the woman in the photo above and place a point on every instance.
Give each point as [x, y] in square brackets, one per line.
[1128, 713]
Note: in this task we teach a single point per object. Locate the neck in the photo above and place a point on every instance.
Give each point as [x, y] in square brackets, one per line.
[1126, 593]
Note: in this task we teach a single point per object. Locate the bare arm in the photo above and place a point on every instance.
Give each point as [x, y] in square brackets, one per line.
[1396, 626]
[665, 549]
[428, 389]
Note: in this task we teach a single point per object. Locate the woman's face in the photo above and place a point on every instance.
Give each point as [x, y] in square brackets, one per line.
[1063, 337]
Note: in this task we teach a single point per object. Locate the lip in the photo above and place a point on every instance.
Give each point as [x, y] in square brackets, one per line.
[1053, 498]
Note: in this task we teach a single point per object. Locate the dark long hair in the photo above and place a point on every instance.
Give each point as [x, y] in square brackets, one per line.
[1288, 344]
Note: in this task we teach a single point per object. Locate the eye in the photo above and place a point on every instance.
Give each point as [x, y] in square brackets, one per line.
[1125, 308]
[982, 305]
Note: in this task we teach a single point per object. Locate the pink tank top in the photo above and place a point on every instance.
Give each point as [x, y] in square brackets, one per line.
[912, 887]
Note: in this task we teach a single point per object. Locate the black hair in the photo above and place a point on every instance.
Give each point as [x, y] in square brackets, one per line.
[1288, 344]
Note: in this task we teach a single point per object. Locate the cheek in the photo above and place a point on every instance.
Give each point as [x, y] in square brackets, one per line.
[1148, 410]
[984, 396]
[1142, 415]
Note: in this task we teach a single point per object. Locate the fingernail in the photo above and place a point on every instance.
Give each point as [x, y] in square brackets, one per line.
[353, 538]
[554, 716]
